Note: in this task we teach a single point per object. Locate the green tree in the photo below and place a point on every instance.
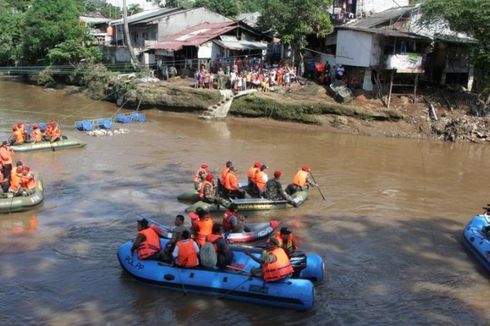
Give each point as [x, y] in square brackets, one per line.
[52, 28]
[251, 6]
[228, 8]
[134, 9]
[11, 36]
[292, 20]
[469, 16]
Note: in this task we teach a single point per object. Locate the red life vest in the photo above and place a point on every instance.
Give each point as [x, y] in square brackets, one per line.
[205, 228]
[187, 254]
[203, 188]
[227, 227]
[279, 269]
[150, 246]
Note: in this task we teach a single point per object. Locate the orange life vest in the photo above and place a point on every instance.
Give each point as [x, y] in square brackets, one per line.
[56, 133]
[187, 254]
[252, 171]
[49, 131]
[15, 180]
[231, 181]
[36, 135]
[197, 176]
[28, 181]
[260, 180]
[205, 228]
[19, 136]
[279, 269]
[150, 246]
[212, 238]
[224, 172]
[300, 178]
[203, 188]
[6, 155]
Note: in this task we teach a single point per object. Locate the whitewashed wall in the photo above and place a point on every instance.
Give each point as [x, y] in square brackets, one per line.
[354, 48]
[379, 5]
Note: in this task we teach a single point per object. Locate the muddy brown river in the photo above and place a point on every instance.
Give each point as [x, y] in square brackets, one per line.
[389, 231]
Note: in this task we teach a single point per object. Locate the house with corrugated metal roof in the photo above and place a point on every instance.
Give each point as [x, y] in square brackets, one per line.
[188, 38]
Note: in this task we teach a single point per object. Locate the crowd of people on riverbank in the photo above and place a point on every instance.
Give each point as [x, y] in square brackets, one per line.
[241, 78]
[15, 180]
[35, 134]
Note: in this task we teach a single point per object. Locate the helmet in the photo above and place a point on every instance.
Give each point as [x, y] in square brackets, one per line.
[209, 177]
[306, 168]
[257, 164]
[204, 165]
[277, 174]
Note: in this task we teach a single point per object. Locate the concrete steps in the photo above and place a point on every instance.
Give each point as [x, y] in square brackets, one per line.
[220, 110]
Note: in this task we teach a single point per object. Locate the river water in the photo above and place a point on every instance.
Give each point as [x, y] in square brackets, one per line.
[389, 231]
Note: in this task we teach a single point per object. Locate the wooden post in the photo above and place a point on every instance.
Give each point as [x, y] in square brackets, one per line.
[415, 88]
[391, 87]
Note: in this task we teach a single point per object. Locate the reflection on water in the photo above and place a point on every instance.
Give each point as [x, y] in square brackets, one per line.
[389, 230]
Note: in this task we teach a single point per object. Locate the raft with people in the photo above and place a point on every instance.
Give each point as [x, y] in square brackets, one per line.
[257, 231]
[10, 203]
[47, 145]
[476, 237]
[235, 282]
[251, 204]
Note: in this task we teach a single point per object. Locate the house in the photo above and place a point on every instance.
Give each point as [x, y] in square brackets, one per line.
[185, 38]
[345, 10]
[97, 27]
[386, 53]
[143, 4]
[210, 44]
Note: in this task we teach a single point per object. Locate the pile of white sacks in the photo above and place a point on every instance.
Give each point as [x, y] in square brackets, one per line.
[104, 132]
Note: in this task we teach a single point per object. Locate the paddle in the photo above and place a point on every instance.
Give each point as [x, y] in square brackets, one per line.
[317, 187]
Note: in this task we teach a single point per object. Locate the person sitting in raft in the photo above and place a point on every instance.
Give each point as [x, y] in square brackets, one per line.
[232, 222]
[222, 179]
[27, 182]
[202, 227]
[223, 252]
[36, 134]
[261, 179]
[147, 242]
[186, 251]
[176, 236]
[275, 264]
[206, 192]
[251, 172]
[286, 241]
[301, 181]
[231, 185]
[200, 176]
[274, 190]
[16, 178]
[53, 131]
[17, 137]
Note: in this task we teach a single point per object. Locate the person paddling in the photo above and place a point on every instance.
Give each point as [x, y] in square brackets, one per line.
[275, 264]
[302, 181]
[274, 190]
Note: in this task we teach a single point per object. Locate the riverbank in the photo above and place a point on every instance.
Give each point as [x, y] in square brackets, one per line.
[308, 104]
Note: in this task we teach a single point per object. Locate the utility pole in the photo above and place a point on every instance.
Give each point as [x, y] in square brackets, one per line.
[135, 62]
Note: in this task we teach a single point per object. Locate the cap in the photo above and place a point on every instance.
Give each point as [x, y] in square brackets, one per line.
[277, 174]
[143, 222]
[257, 164]
[263, 167]
[209, 177]
[204, 165]
[285, 230]
[306, 168]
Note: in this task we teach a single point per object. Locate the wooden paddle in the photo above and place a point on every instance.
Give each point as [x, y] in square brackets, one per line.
[317, 187]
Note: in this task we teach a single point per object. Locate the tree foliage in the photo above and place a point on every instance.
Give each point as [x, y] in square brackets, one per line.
[292, 20]
[228, 8]
[469, 16]
[92, 7]
[10, 24]
[53, 33]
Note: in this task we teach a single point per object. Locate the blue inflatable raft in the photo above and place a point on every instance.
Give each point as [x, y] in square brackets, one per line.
[234, 283]
[477, 238]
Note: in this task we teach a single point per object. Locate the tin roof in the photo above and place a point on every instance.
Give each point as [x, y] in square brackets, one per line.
[381, 17]
[148, 15]
[386, 32]
[195, 35]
